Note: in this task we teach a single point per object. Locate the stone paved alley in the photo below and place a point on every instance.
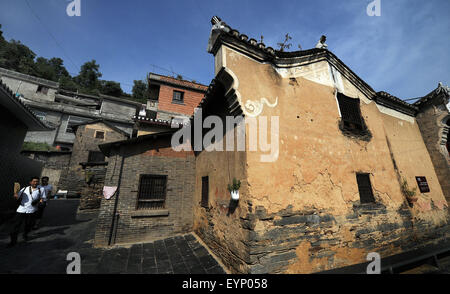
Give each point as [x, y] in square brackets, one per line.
[64, 231]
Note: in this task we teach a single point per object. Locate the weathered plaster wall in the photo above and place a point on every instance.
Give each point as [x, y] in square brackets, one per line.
[305, 213]
[431, 120]
[221, 224]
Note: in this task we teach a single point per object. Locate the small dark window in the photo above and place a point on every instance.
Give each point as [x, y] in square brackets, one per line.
[99, 135]
[205, 192]
[96, 156]
[365, 188]
[42, 89]
[350, 112]
[178, 97]
[152, 192]
[153, 92]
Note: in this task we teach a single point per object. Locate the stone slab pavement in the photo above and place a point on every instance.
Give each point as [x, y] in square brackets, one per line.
[64, 231]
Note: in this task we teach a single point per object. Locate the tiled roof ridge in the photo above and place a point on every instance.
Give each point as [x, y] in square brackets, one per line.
[262, 47]
[394, 98]
[23, 105]
[440, 89]
[29, 78]
[180, 80]
[155, 120]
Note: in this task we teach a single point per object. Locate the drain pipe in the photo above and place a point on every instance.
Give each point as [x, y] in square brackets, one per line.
[115, 216]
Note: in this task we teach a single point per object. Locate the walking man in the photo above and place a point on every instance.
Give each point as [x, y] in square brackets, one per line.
[41, 206]
[28, 197]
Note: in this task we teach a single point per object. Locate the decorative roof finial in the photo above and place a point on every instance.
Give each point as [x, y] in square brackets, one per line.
[321, 44]
[215, 20]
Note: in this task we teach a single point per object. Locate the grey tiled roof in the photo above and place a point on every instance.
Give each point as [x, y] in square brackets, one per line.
[26, 114]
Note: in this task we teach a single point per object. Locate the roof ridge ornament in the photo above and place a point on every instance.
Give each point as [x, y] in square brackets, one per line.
[321, 44]
[217, 26]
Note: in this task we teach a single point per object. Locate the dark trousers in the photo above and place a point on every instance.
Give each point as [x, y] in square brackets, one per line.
[19, 219]
[40, 211]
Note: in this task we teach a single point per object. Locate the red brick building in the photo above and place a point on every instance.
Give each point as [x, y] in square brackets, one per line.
[171, 97]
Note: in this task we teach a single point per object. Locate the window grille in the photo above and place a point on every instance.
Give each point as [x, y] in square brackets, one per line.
[178, 97]
[350, 112]
[152, 192]
[365, 188]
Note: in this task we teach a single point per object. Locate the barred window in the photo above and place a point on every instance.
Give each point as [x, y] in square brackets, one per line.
[99, 135]
[350, 112]
[152, 192]
[205, 192]
[96, 156]
[365, 188]
[178, 97]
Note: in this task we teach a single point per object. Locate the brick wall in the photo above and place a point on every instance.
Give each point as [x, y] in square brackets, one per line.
[134, 225]
[191, 100]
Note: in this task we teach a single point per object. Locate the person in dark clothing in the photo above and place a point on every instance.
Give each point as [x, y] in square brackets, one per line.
[41, 206]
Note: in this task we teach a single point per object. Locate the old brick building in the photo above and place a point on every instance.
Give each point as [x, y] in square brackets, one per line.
[173, 98]
[332, 192]
[15, 121]
[86, 153]
[54, 163]
[434, 122]
[63, 109]
[155, 191]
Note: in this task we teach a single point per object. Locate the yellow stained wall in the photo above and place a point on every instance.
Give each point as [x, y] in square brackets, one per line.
[317, 164]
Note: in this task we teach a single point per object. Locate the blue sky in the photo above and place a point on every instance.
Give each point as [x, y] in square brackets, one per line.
[404, 51]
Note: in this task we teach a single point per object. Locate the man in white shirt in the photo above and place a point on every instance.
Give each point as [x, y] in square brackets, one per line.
[29, 198]
[41, 206]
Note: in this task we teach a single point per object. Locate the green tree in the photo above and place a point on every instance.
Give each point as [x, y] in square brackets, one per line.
[89, 75]
[67, 83]
[140, 91]
[111, 88]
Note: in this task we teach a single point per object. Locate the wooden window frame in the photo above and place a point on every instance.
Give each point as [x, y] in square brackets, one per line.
[371, 197]
[176, 100]
[351, 118]
[99, 131]
[163, 200]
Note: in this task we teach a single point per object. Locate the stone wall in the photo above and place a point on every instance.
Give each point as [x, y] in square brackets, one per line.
[54, 164]
[148, 157]
[432, 123]
[92, 191]
[73, 179]
[312, 240]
